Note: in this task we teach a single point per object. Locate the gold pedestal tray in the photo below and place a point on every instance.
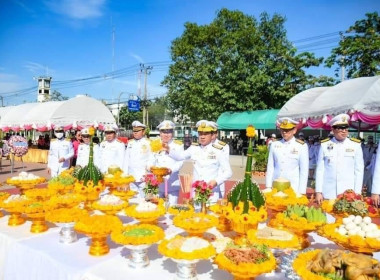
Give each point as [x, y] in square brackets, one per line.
[241, 231]
[159, 172]
[302, 235]
[1, 213]
[186, 269]
[139, 255]
[15, 219]
[98, 246]
[38, 223]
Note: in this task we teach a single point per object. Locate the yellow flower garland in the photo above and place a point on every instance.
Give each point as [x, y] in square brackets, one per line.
[158, 212]
[109, 207]
[253, 217]
[65, 215]
[119, 237]
[280, 203]
[38, 194]
[294, 223]
[117, 179]
[246, 270]
[68, 200]
[176, 253]
[195, 222]
[4, 195]
[293, 243]
[89, 189]
[98, 224]
[155, 145]
[18, 182]
[33, 207]
[16, 206]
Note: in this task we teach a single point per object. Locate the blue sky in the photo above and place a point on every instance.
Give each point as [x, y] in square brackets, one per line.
[72, 39]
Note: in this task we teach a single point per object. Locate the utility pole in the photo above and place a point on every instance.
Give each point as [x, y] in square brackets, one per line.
[147, 71]
[342, 70]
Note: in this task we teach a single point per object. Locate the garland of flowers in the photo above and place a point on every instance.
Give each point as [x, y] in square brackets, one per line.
[98, 224]
[65, 215]
[18, 150]
[177, 253]
[89, 188]
[118, 179]
[300, 266]
[158, 212]
[4, 195]
[195, 222]
[246, 270]
[152, 234]
[156, 145]
[253, 216]
[18, 181]
[62, 183]
[354, 242]
[280, 203]
[295, 223]
[38, 194]
[68, 200]
[97, 205]
[272, 243]
[14, 203]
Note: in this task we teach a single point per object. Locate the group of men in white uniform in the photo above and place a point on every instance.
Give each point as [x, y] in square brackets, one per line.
[210, 156]
[339, 165]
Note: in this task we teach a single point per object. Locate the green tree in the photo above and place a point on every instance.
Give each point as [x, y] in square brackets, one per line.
[234, 64]
[126, 117]
[55, 96]
[158, 111]
[359, 49]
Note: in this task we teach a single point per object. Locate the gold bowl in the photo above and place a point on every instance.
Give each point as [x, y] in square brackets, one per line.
[159, 172]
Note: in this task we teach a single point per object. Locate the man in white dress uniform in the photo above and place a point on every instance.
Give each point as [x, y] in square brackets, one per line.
[111, 151]
[136, 160]
[162, 159]
[84, 150]
[211, 163]
[288, 158]
[60, 153]
[340, 162]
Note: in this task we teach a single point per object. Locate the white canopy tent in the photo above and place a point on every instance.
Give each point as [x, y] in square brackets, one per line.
[77, 112]
[360, 98]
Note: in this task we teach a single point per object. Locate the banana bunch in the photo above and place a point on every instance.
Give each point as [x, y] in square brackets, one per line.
[296, 209]
[315, 215]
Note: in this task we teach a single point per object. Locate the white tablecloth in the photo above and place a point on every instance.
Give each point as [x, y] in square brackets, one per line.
[24, 255]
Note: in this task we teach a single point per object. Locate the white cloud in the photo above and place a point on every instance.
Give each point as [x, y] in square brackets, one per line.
[77, 9]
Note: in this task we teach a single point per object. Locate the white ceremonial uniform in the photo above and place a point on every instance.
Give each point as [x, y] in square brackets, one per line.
[288, 160]
[210, 163]
[84, 153]
[339, 167]
[136, 162]
[111, 153]
[376, 174]
[162, 159]
[226, 147]
[59, 148]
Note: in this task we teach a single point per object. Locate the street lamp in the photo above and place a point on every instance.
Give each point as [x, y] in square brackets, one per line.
[118, 107]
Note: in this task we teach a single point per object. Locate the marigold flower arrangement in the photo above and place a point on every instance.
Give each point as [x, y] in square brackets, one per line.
[14, 203]
[62, 183]
[109, 203]
[34, 207]
[280, 203]
[169, 248]
[202, 190]
[300, 265]
[354, 243]
[137, 234]
[151, 184]
[273, 243]
[131, 211]
[295, 223]
[98, 224]
[4, 195]
[68, 200]
[24, 179]
[156, 145]
[252, 216]
[38, 194]
[89, 189]
[118, 178]
[263, 263]
[65, 215]
[195, 223]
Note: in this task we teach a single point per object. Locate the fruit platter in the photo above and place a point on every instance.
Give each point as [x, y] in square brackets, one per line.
[350, 203]
[330, 264]
[246, 261]
[355, 233]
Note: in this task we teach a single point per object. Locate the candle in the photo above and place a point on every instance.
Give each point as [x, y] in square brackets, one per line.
[166, 187]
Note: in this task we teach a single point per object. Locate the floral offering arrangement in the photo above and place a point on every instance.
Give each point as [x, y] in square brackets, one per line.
[355, 233]
[180, 208]
[34, 207]
[335, 264]
[300, 218]
[64, 182]
[38, 194]
[98, 224]
[146, 210]
[137, 234]
[156, 145]
[68, 200]
[89, 188]
[246, 261]
[202, 190]
[25, 178]
[18, 145]
[65, 215]
[118, 178]
[4, 195]
[14, 203]
[251, 216]
[350, 203]
[274, 238]
[151, 185]
[279, 200]
[109, 202]
[186, 248]
[195, 223]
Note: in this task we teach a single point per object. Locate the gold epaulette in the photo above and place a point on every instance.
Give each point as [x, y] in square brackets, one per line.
[325, 140]
[195, 144]
[300, 141]
[216, 146]
[54, 139]
[222, 143]
[355, 140]
[179, 142]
